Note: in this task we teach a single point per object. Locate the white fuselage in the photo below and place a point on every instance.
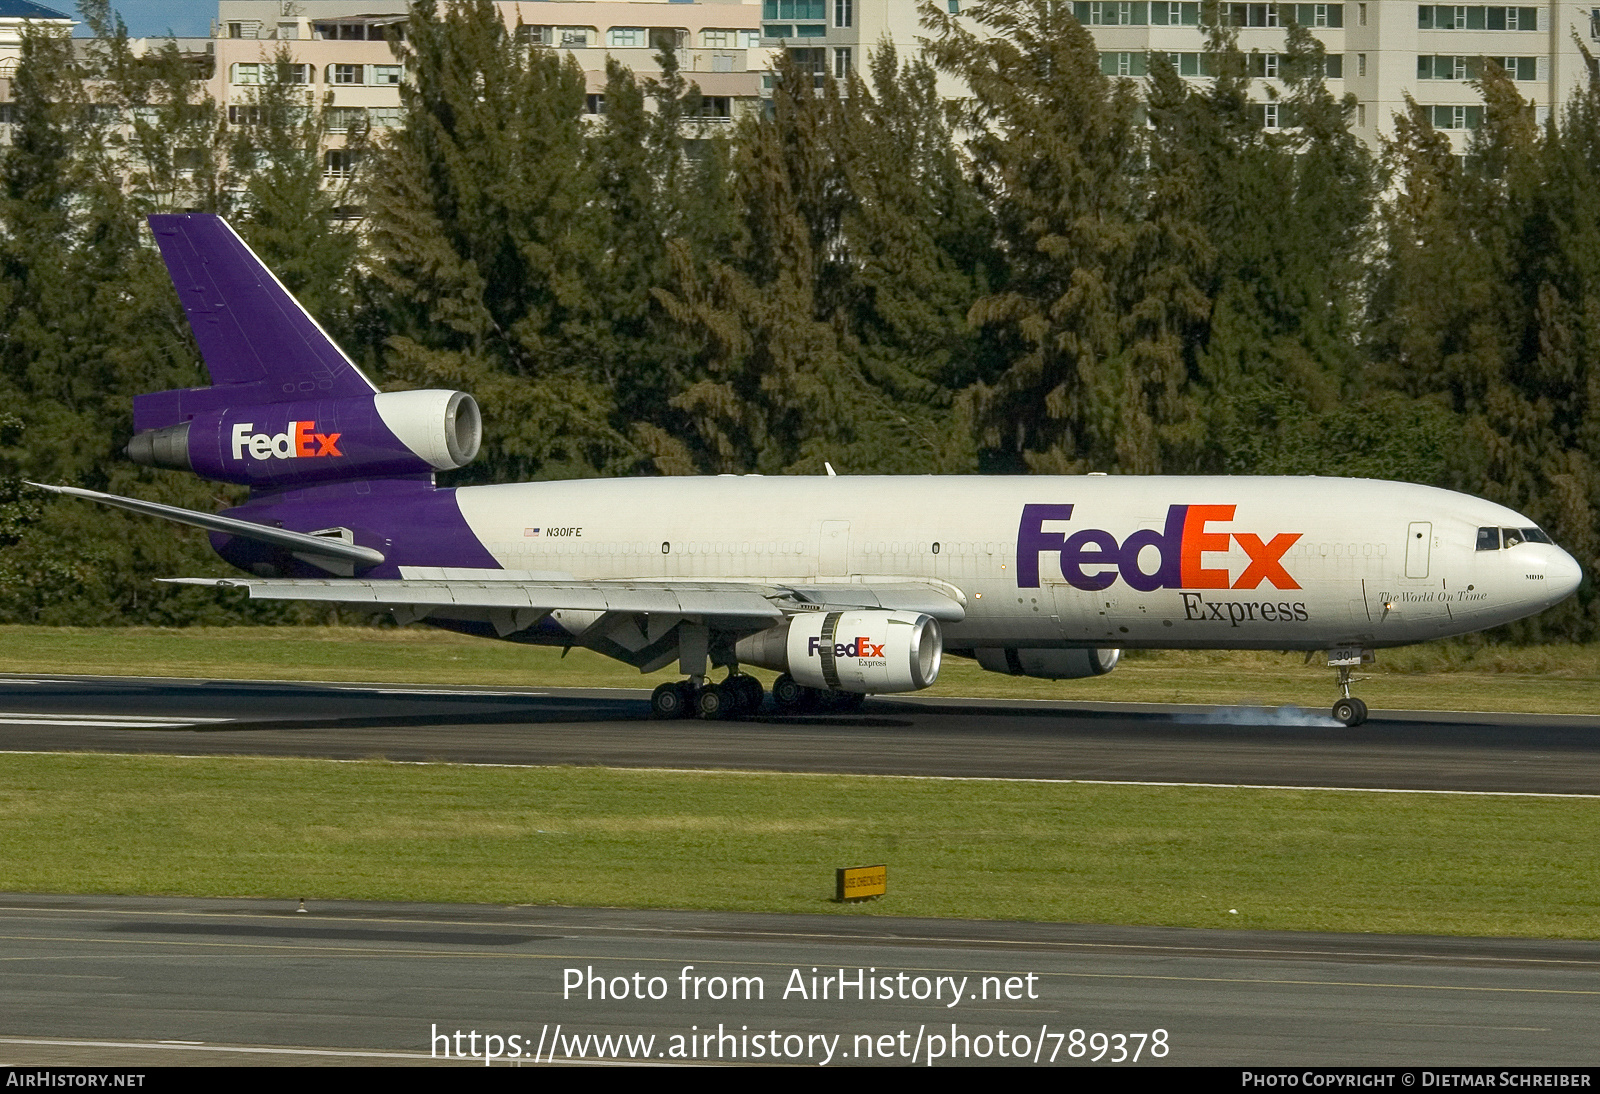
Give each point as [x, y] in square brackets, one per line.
[1214, 562]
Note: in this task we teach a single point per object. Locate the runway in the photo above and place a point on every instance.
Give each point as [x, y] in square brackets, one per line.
[888, 736]
[139, 981]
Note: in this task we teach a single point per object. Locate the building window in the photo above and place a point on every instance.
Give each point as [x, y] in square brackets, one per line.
[1124, 64]
[841, 62]
[1175, 14]
[1361, 115]
[384, 75]
[811, 61]
[1192, 64]
[342, 119]
[246, 114]
[386, 117]
[535, 34]
[1457, 117]
[244, 30]
[625, 37]
[339, 163]
[717, 107]
[793, 9]
[1361, 64]
[575, 37]
[1476, 17]
[717, 39]
[345, 74]
[1113, 13]
[843, 13]
[594, 104]
[253, 74]
[1361, 15]
[1269, 115]
[750, 39]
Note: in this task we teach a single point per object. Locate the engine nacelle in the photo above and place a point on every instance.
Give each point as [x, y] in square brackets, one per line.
[861, 651]
[1049, 664]
[389, 433]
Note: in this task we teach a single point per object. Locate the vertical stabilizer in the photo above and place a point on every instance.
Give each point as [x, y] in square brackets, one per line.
[259, 345]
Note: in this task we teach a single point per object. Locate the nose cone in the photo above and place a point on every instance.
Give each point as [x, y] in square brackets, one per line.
[1563, 573]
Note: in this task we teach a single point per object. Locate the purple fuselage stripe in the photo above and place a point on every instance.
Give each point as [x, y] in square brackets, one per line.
[411, 523]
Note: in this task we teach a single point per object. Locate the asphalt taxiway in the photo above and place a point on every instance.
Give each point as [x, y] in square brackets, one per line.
[1407, 750]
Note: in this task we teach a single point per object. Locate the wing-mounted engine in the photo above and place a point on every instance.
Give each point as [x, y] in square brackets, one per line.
[861, 652]
[275, 445]
[1049, 664]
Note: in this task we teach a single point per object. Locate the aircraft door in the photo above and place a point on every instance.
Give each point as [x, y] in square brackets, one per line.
[833, 558]
[1419, 541]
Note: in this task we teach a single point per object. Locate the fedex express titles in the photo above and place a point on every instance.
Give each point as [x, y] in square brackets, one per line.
[1092, 559]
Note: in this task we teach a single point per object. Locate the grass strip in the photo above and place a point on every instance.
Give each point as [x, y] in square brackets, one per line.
[1181, 856]
[1439, 676]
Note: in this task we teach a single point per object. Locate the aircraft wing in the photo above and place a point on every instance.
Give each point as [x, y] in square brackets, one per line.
[738, 605]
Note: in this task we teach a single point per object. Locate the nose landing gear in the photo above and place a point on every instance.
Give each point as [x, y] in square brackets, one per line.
[1348, 709]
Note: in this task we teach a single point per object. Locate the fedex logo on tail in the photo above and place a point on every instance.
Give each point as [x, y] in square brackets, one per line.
[1176, 555]
[297, 442]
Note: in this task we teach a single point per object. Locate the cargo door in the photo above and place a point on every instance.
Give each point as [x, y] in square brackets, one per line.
[833, 559]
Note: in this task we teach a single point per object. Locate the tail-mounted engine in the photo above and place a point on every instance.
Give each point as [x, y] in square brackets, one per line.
[391, 433]
[864, 652]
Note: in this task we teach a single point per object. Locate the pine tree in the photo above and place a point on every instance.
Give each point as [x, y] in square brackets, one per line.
[484, 235]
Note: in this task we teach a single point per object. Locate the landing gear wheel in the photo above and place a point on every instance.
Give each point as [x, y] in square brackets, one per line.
[715, 703]
[1352, 712]
[670, 700]
[787, 695]
[749, 691]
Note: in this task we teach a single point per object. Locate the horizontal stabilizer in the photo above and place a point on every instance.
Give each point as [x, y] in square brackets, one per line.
[338, 551]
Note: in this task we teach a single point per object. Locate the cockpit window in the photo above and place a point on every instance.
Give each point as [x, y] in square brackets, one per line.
[1510, 537]
[1536, 535]
[1488, 539]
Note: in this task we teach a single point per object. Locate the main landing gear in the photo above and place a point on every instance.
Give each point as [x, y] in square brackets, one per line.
[1348, 709]
[741, 695]
[738, 696]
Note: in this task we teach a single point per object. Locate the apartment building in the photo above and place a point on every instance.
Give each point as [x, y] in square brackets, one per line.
[1380, 51]
[340, 50]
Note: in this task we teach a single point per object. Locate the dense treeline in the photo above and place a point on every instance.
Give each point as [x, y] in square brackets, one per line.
[1064, 272]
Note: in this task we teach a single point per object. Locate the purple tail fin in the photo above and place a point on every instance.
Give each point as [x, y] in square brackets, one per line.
[259, 344]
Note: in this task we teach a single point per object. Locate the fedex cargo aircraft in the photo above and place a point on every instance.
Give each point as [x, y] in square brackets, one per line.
[846, 585]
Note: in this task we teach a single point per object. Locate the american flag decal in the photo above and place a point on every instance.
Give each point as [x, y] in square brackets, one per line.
[529, 533]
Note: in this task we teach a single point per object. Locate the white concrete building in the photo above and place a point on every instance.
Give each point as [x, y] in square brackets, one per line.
[1380, 50]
